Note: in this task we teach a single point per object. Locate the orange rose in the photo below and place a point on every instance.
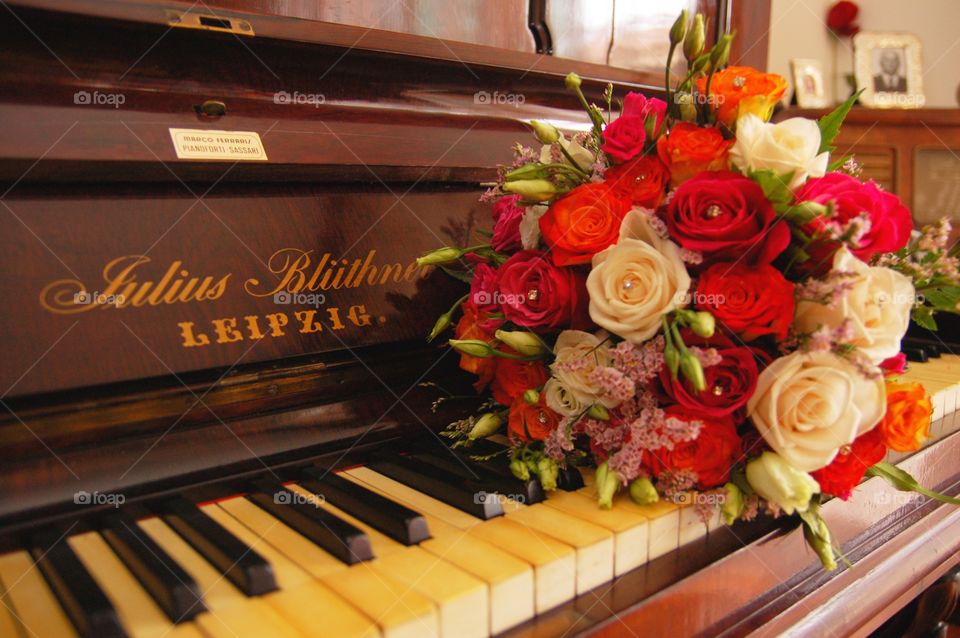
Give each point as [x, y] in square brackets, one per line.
[738, 90]
[583, 223]
[689, 149]
[643, 180]
[531, 422]
[907, 423]
[514, 377]
[469, 327]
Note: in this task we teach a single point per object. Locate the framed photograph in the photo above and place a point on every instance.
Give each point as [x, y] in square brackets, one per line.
[889, 70]
[808, 84]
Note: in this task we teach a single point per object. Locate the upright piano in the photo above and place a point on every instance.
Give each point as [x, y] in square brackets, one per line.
[220, 414]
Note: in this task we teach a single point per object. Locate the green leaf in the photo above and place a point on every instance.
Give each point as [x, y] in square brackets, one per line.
[902, 480]
[923, 317]
[466, 276]
[943, 298]
[775, 187]
[830, 123]
[838, 163]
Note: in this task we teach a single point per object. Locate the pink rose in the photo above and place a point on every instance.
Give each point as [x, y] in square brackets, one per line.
[639, 104]
[890, 220]
[624, 137]
[536, 294]
[506, 226]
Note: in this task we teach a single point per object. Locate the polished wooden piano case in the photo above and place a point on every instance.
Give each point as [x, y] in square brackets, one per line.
[207, 380]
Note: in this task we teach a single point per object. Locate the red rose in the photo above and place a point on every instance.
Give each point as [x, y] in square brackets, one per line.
[583, 223]
[531, 422]
[506, 224]
[749, 300]
[536, 294]
[514, 377]
[643, 180]
[848, 467]
[470, 326]
[623, 138]
[711, 455]
[729, 383]
[841, 16]
[890, 221]
[726, 216]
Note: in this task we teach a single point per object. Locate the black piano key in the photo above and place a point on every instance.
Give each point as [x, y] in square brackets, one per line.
[88, 608]
[173, 589]
[505, 483]
[338, 537]
[569, 479]
[242, 566]
[467, 495]
[393, 519]
[918, 355]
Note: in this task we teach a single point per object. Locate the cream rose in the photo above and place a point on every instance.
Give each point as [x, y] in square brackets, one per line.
[809, 405]
[789, 146]
[779, 482]
[636, 281]
[577, 355]
[530, 226]
[878, 307]
[562, 400]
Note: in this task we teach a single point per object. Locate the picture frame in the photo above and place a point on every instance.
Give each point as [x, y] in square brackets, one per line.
[889, 69]
[809, 86]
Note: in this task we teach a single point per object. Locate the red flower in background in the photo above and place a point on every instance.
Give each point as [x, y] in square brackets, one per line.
[643, 181]
[841, 18]
[711, 455]
[531, 422]
[749, 300]
[847, 469]
[514, 377]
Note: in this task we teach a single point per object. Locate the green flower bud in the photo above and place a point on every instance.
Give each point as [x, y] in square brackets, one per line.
[672, 357]
[538, 190]
[805, 212]
[721, 51]
[693, 43]
[679, 29]
[693, 371]
[527, 171]
[688, 112]
[439, 256]
[520, 469]
[443, 322]
[732, 504]
[818, 538]
[703, 324]
[572, 81]
[531, 396]
[546, 133]
[486, 425]
[607, 484]
[526, 343]
[643, 492]
[599, 412]
[548, 471]
[472, 347]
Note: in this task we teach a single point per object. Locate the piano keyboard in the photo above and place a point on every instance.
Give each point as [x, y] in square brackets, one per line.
[401, 547]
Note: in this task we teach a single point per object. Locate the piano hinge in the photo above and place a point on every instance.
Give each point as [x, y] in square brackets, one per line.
[188, 20]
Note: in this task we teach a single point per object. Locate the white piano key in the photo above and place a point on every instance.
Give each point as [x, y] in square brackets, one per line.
[35, 606]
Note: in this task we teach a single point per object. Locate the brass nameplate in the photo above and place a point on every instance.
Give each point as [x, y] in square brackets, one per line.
[235, 146]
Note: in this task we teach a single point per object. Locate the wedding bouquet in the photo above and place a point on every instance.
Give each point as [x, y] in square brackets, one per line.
[695, 299]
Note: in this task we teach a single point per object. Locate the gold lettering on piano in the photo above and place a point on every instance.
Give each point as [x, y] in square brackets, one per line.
[227, 330]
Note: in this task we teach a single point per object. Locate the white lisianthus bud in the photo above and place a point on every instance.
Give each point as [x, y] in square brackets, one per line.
[526, 343]
[779, 482]
[546, 133]
[486, 425]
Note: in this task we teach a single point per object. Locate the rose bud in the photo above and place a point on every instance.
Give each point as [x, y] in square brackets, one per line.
[548, 471]
[572, 81]
[546, 133]
[693, 43]
[607, 483]
[679, 29]
[643, 492]
[693, 371]
[472, 347]
[599, 412]
[485, 426]
[440, 256]
[538, 190]
[732, 504]
[526, 343]
[532, 397]
[520, 469]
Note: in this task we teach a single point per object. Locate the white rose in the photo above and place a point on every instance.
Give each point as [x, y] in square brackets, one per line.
[779, 482]
[562, 400]
[789, 146]
[809, 405]
[577, 355]
[530, 226]
[878, 307]
[636, 281]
